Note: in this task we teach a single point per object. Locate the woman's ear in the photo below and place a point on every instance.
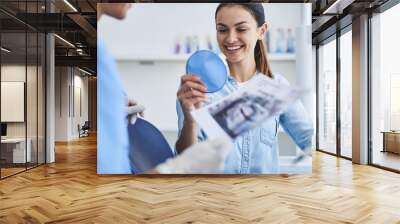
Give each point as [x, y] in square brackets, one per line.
[262, 31]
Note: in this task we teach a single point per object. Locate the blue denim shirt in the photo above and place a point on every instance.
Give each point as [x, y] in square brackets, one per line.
[256, 151]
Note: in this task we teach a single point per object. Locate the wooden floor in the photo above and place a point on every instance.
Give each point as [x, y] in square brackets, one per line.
[5, 172]
[387, 159]
[70, 191]
[10, 171]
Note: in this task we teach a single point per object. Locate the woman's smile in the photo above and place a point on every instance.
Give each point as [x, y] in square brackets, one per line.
[233, 49]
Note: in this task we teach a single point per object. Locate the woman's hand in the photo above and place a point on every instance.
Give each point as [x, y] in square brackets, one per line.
[191, 95]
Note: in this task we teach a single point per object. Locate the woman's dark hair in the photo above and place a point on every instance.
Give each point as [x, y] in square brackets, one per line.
[260, 53]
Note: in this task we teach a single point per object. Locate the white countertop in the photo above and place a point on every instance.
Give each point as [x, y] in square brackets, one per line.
[13, 140]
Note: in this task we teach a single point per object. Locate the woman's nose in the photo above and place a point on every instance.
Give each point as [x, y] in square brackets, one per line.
[231, 38]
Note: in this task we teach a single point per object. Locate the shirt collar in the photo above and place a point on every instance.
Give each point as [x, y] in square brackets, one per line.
[233, 80]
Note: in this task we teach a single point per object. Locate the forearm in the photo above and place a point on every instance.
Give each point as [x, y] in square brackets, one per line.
[296, 122]
[187, 137]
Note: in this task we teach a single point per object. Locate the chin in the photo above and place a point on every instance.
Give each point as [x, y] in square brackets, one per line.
[234, 59]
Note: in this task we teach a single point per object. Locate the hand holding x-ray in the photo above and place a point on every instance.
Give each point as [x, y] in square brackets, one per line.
[259, 100]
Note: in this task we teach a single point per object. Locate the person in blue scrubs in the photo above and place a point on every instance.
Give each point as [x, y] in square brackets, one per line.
[241, 28]
[112, 104]
[112, 140]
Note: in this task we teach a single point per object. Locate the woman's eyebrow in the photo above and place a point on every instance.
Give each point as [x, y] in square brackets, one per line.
[237, 24]
[240, 23]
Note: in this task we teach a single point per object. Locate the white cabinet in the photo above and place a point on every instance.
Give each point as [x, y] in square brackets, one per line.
[17, 147]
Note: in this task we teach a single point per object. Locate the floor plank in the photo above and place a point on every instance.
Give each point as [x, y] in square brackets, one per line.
[70, 191]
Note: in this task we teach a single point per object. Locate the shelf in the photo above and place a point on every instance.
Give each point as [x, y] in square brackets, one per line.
[282, 57]
[183, 58]
[166, 58]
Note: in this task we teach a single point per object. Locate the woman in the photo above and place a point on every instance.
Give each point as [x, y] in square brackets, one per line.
[240, 32]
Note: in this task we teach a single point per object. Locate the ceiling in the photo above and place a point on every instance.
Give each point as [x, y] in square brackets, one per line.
[329, 16]
[77, 25]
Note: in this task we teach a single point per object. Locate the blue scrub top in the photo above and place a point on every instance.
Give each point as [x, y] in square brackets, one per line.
[112, 135]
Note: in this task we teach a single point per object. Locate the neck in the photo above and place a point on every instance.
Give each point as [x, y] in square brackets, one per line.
[243, 70]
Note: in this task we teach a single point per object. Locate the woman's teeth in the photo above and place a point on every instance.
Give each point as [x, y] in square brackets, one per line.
[233, 48]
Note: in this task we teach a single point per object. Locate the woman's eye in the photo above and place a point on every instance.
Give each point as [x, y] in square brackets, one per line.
[241, 30]
[221, 30]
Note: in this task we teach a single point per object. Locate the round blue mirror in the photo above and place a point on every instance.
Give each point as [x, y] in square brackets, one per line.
[209, 67]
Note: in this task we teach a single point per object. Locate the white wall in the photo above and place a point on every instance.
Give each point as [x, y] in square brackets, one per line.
[61, 103]
[80, 102]
[17, 73]
[154, 86]
[33, 125]
[68, 83]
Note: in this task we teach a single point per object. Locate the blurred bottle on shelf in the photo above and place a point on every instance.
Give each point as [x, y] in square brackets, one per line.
[177, 46]
[188, 45]
[209, 43]
[195, 43]
[281, 41]
[290, 41]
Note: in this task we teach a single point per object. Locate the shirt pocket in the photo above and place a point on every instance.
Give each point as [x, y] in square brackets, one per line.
[268, 132]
